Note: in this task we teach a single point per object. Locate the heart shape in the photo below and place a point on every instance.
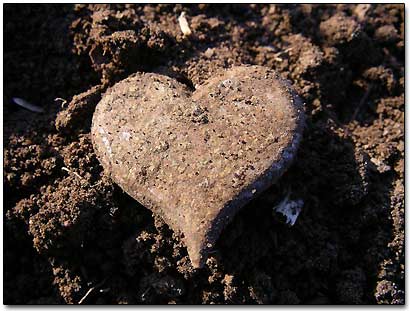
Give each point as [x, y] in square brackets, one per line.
[196, 158]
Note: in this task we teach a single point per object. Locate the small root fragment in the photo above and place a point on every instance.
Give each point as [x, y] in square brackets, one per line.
[361, 103]
[81, 301]
[80, 177]
[72, 172]
[62, 100]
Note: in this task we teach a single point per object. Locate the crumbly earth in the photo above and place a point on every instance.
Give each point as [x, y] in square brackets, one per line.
[196, 158]
[71, 235]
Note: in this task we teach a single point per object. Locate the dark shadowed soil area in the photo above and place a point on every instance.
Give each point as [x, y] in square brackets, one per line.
[73, 236]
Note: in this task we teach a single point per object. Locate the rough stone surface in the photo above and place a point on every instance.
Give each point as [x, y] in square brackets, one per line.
[196, 158]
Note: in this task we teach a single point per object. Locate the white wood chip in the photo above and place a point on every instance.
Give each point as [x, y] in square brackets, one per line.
[183, 24]
[290, 209]
[25, 104]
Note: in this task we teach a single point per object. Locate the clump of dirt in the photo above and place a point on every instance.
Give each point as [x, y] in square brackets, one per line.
[71, 119]
[72, 236]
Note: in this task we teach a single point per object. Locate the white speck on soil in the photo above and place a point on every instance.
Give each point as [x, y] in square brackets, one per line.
[290, 209]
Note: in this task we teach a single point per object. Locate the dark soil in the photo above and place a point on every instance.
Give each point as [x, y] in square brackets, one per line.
[72, 236]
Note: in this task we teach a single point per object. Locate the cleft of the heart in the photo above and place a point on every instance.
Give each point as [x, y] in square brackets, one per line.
[195, 158]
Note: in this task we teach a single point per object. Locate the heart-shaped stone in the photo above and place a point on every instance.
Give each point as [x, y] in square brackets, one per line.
[196, 158]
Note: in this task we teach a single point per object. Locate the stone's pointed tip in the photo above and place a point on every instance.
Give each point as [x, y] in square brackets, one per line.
[195, 250]
[196, 262]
